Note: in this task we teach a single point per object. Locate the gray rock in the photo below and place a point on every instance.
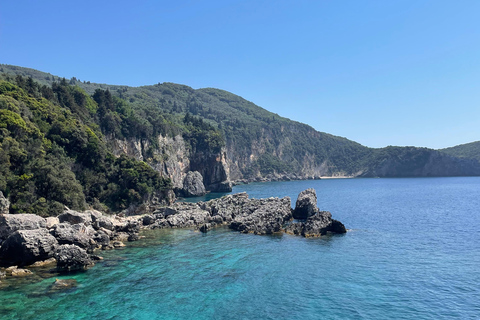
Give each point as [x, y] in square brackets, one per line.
[9, 223]
[148, 220]
[94, 214]
[306, 205]
[71, 257]
[102, 238]
[25, 247]
[77, 234]
[193, 185]
[104, 222]
[316, 226]
[263, 216]
[74, 217]
[4, 204]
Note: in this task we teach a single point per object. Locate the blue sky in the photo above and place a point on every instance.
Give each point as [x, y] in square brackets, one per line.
[396, 72]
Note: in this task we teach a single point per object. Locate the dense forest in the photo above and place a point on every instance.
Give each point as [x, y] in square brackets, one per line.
[468, 150]
[54, 149]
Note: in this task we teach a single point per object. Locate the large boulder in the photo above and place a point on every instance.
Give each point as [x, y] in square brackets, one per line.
[71, 257]
[74, 217]
[25, 247]
[317, 225]
[193, 185]
[77, 234]
[306, 205]
[4, 204]
[9, 223]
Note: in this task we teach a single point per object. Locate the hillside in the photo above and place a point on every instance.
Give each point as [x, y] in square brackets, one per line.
[249, 143]
[468, 150]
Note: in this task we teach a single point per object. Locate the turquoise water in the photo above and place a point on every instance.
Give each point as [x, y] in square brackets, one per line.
[412, 252]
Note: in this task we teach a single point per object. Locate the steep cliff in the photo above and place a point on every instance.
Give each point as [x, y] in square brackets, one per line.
[227, 138]
[172, 158]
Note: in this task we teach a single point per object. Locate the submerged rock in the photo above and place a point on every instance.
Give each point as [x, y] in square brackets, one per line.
[62, 285]
[14, 271]
[25, 247]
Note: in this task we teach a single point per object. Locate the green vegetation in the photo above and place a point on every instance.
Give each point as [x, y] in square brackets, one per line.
[468, 150]
[52, 150]
[257, 141]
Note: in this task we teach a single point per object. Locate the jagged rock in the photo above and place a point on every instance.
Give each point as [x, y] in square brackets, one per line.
[104, 222]
[102, 238]
[94, 214]
[316, 226]
[25, 247]
[9, 223]
[226, 207]
[4, 204]
[337, 227]
[306, 204]
[129, 226]
[3, 274]
[193, 185]
[206, 227]
[77, 234]
[148, 220]
[263, 216]
[71, 257]
[74, 217]
[51, 221]
[133, 237]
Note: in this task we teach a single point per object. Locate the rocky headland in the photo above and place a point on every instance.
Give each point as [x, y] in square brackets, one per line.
[73, 239]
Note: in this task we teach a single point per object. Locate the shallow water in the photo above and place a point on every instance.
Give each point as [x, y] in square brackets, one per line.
[411, 252]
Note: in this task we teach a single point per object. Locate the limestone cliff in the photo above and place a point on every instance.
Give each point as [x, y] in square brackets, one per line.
[172, 158]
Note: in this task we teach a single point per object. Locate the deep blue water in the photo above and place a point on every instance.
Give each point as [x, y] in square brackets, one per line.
[412, 252]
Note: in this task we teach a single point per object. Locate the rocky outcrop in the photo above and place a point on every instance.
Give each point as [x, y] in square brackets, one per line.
[9, 223]
[74, 217]
[30, 239]
[258, 216]
[77, 234]
[4, 204]
[71, 258]
[306, 205]
[263, 216]
[315, 226]
[25, 247]
[193, 185]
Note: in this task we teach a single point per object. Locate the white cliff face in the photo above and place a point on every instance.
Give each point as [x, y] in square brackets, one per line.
[172, 159]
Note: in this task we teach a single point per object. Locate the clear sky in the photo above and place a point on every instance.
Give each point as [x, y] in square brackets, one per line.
[383, 72]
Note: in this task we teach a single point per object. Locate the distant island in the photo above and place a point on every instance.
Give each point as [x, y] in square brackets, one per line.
[67, 142]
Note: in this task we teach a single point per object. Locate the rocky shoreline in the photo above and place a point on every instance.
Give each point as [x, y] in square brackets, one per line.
[73, 239]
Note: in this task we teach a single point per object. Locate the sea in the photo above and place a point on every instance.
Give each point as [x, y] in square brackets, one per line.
[412, 251]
